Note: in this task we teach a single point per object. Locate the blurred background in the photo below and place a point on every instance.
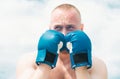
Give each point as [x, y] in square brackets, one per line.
[23, 21]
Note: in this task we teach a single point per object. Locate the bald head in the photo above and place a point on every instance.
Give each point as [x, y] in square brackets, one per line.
[68, 7]
[65, 18]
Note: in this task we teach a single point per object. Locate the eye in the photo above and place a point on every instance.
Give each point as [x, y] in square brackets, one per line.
[58, 27]
[70, 27]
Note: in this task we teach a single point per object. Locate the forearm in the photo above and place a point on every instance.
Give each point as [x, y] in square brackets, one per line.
[82, 73]
[42, 72]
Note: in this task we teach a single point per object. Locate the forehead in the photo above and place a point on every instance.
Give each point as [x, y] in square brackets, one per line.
[65, 15]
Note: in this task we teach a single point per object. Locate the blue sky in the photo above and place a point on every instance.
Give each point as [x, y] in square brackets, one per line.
[23, 21]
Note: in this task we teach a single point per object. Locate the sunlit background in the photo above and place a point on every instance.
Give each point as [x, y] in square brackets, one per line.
[23, 21]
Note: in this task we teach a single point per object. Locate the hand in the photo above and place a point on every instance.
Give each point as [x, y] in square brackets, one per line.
[81, 49]
[48, 47]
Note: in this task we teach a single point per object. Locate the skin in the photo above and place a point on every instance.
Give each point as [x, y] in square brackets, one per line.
[64, 22]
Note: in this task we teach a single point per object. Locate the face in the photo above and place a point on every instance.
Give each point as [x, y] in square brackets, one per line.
[65, 21]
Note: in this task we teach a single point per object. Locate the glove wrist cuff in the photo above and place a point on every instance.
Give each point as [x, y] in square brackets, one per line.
[80, 59]
[46, 57]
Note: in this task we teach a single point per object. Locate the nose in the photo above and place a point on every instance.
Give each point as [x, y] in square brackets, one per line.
[64, 31]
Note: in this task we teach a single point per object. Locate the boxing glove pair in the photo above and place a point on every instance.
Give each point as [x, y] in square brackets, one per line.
[48, 48]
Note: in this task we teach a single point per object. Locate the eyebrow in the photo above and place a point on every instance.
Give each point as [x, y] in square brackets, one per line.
[70, 25]
[58, 26]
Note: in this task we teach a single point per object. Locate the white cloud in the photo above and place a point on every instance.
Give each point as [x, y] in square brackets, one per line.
[19, 21]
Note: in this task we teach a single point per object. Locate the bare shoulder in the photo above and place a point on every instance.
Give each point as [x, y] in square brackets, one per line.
[99, 68]
[97, 62]
[26, 61]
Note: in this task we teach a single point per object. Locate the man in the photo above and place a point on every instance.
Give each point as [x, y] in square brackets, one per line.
[64, 19]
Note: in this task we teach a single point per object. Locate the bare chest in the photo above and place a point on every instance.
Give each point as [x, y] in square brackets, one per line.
[62, 73]
[63, 70]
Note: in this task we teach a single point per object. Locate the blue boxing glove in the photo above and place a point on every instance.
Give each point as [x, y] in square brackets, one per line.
[81, 49]
[48, 47]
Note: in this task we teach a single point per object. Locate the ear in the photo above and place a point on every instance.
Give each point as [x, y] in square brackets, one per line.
[81, 27]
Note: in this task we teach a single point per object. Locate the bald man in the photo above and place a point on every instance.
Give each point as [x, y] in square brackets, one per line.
[65, 18]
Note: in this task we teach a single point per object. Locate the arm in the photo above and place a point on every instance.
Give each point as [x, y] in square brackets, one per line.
[81, 58]
[38, 66]
[82, 73]
[27, 69]
[99, 69]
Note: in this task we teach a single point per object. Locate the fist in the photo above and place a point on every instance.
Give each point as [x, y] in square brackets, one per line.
[81, 49]
[48, 47]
